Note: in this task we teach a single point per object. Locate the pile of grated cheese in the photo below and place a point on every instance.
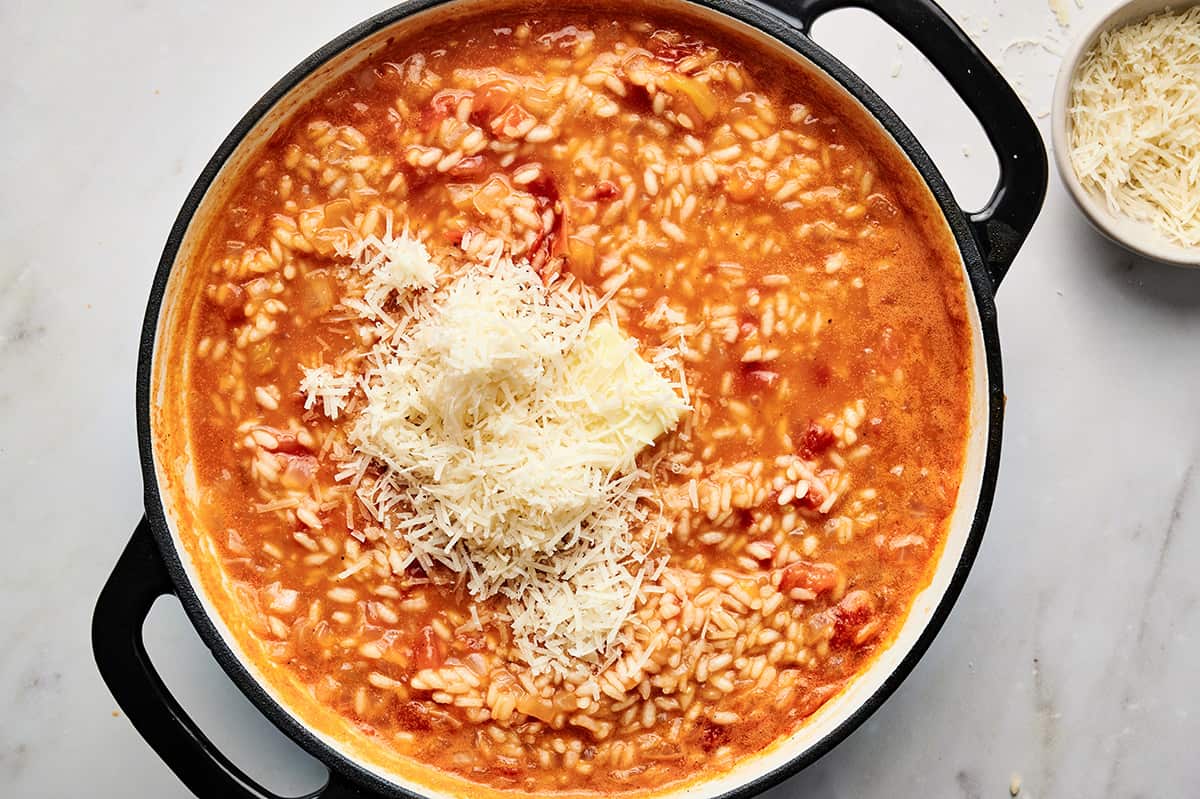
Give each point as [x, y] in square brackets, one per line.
[1135, 122]
[497, 436]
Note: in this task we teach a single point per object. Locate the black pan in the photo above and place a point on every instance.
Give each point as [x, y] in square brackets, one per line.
[988, 241]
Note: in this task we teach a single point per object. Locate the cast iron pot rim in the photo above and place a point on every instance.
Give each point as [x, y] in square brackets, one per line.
[769, 21]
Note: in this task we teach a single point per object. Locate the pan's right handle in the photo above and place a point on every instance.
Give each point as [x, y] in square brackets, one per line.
[139, 579]
[1001, 226]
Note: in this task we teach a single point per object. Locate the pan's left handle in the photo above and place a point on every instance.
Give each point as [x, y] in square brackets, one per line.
[140, 578]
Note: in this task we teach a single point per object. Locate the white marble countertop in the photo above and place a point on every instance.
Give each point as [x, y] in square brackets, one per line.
[1071, 659]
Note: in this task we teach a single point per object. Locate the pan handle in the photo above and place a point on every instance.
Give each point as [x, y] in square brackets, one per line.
[1002, 225]
[140, 578]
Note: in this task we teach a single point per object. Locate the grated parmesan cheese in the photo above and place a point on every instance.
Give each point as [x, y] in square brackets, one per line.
[393, 266]
[322, 385]
[498, 440]
[1135, 122]
[1061, 15]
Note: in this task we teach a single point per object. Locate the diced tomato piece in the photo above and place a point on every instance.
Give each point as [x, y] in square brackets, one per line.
[442, 105]
[413, 716]
[713, 736]
[543, 187]
[453, 236]
[514, 122]
[674, 52]
[812, 500]
[815, 440]
[606, 190]
[816, 577]
[810, 701]
[430, 650]
[550, 243]
[490, 100]
[853, 619]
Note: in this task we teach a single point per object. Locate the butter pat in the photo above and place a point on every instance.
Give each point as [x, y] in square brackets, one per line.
[621, 399]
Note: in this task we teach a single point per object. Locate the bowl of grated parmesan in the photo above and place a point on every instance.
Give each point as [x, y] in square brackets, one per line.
[1126, 128]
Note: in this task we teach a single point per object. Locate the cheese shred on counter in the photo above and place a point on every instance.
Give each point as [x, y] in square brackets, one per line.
[1135, 122]
[497, 438]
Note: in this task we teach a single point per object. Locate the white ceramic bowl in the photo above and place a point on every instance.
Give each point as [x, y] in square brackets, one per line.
[1136, 236]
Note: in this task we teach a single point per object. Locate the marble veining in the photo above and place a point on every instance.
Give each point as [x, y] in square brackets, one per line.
[1070, 663]
[16, 297]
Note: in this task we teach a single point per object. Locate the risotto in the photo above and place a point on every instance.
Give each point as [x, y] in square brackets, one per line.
[577, 402]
